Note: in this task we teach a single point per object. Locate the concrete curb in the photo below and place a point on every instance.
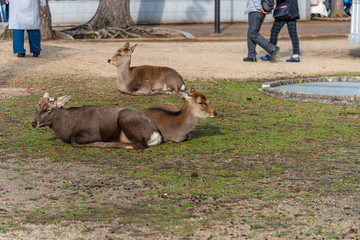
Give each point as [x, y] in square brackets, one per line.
[269, 88]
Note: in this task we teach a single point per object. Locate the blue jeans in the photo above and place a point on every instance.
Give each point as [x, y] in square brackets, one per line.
[34, 40]
[3, 12]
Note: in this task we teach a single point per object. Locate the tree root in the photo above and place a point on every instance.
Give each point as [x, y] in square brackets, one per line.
[86, 32]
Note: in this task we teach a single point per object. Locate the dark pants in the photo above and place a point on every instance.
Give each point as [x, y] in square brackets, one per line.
[255, 20]
[34, 40]
[276, 28]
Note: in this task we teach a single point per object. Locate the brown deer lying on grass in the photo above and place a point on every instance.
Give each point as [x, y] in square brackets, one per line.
[96, 126]
[175, 125]
[146, 79]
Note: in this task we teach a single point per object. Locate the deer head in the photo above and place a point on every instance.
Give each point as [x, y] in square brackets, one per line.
[46, 110]
[122, 55]
[199, 104]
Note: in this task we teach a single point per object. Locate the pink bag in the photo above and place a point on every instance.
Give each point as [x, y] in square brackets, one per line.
[314, 2]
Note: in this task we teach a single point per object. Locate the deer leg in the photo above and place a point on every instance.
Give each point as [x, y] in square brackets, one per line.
[84, 139]
[138, 89]
[105, 145]
[161, 91]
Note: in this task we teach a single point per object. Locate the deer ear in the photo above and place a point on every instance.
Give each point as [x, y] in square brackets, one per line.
[184, 95]
[133, 48]
[61, 101]
[46, 95]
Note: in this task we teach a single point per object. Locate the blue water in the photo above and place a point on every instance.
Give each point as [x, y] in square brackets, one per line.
[325, 88]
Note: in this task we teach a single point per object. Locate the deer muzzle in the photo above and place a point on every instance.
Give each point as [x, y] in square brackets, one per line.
[36, 124]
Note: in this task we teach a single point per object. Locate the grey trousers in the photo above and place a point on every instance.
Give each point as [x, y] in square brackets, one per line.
[255, 20]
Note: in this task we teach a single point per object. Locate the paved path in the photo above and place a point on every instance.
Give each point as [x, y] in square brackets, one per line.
[306, 29]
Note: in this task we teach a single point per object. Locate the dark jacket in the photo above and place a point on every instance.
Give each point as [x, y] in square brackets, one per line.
[294, 8]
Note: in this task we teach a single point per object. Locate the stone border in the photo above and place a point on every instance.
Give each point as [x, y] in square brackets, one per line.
[269, 89]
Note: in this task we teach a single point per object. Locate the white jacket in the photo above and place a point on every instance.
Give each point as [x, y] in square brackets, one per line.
[24, 14]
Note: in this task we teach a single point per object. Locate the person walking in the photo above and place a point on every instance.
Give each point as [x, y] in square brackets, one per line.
[291, 24]
[25, 15]
[256, 17]
[3, 10]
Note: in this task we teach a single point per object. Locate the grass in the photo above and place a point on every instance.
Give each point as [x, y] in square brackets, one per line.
[258, 153]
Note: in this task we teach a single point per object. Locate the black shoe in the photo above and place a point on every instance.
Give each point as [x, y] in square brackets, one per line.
[36, 54]
[292, 59]
[274, 53]
[21, 54]
[250, 59]
[265, 58]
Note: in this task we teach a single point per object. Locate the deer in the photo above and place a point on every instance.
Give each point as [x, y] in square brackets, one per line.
[175, 125]
[145, 79]
[96, 126]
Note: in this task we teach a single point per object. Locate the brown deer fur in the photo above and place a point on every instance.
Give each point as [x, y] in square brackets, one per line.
[96, 126]
[175, 125]
[146, 79]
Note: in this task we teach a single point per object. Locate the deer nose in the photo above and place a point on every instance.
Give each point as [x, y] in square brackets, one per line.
[109, 60]
[33, 124]
[215, 113]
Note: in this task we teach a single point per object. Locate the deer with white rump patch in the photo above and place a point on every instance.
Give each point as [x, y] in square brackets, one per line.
[96, 126]
[175, 125]
[146, 79]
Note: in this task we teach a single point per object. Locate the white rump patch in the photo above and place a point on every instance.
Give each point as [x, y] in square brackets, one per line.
[155, 139]
[183, 88]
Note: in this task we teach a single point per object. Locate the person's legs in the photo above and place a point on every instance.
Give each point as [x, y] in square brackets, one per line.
[254, 28]
[18, 41]
[294, 37]
[3, 12]
[34, 40]
[256, 37]
[275, 30]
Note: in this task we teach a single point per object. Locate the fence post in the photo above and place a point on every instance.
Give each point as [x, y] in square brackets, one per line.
[217, 18]
[354, 35]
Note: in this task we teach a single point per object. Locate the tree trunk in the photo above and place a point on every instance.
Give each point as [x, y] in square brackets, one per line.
[112, 13]
[111, 20]
[338, 10]
[45, 23]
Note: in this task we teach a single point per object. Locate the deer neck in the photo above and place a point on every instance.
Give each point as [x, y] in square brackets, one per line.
[187, 117]
[123, 72]
[62, 124]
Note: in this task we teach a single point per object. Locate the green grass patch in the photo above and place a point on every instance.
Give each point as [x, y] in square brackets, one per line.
[258, 148]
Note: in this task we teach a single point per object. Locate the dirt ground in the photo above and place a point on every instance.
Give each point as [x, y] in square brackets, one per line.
[192, 59]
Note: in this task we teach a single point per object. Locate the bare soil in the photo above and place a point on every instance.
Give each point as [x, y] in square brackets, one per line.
[193, 60]
[44, 179]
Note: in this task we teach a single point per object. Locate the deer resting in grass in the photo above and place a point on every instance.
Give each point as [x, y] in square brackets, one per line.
[96, 126]
[175, 125]
[146, 79]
